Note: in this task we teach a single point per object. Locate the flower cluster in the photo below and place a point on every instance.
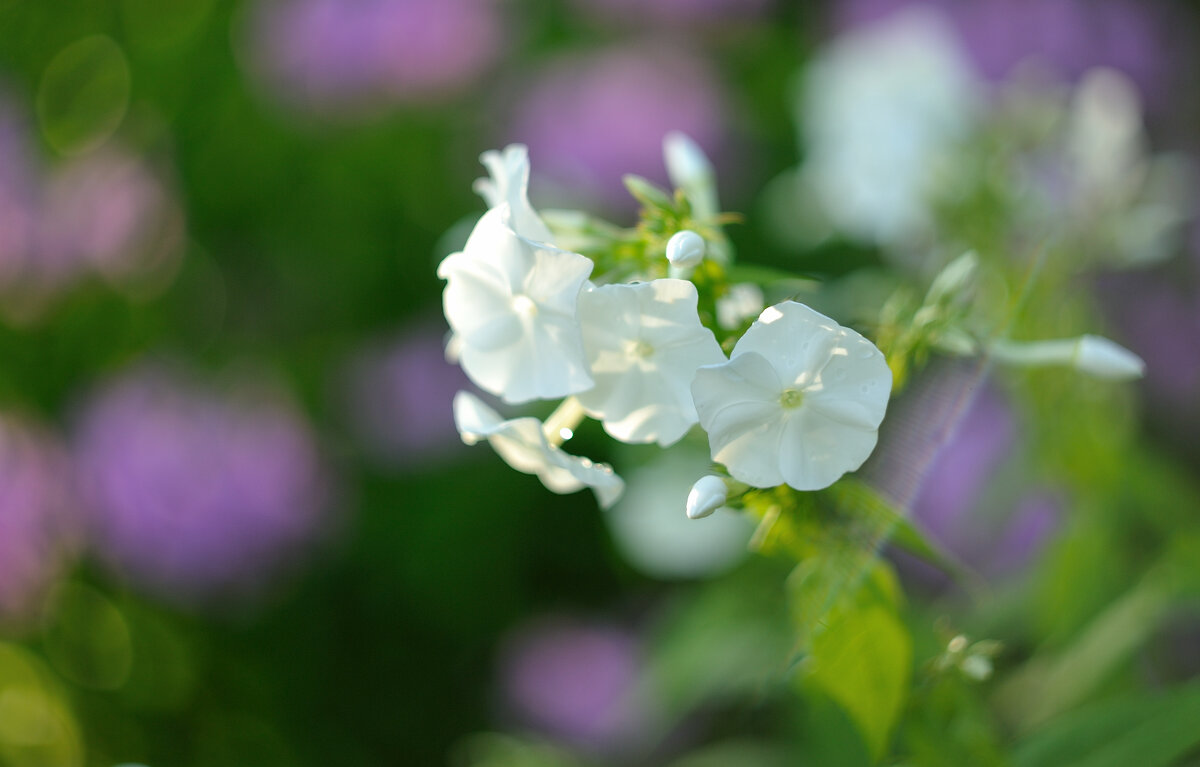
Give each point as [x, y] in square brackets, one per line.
[631, 335]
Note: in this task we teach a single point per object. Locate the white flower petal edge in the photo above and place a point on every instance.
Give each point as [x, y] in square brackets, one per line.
[512, 304]
[799, 402]
[508, 184]
[644, 342]
[523, 446]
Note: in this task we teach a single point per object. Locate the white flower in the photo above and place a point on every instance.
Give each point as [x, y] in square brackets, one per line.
[522, 444]
[707, 495]
[512, 304]
[508, 183]
[644, 342]
[799, 402]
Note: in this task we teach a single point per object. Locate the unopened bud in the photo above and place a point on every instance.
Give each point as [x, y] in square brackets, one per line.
[707, 495]
[1107, 359]
[685, 249]
[1093, 355]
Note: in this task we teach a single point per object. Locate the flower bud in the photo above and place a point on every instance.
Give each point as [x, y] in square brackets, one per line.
[1089, 354]
[707, 495]
[1106, 359]
[685, 249]
[686, 164]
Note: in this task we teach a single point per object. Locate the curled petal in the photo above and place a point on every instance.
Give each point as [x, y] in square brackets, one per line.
[523, 446]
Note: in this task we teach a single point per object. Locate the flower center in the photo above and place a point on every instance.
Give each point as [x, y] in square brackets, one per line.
[640, 348]
[524, 306]
[791, 399]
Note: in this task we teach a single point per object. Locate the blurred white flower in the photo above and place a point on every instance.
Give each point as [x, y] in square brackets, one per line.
[644, 342]
[651, 533]
[880, 108]
[523, 445]
[799, 402]
[743, 301]
[512, 304]
[508, 183]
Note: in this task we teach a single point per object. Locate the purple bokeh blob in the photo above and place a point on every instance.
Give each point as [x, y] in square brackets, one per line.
[400, 396]
[1070, 36]
[331, 54]
[194, 493]
[574, 681]
[589, 120]
[38, 516]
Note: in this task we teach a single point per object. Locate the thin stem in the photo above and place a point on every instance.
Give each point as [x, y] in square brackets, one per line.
[560, 425]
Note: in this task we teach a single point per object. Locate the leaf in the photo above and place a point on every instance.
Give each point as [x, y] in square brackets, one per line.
[862, 660]
[1146, 730]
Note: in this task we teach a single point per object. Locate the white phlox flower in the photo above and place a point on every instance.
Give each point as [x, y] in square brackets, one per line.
[508, 183]
[512, 305]
[644, 342]
[799, 401]
[522, 443]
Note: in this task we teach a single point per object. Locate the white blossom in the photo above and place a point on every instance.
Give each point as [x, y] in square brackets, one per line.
[707, 495]
[799, 401]
[512, 305]
[508, 184]
[644, 342]
[523, 445]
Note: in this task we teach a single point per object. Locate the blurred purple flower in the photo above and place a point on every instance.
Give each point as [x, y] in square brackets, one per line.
[1157, 315]
[108, 212]
[590, 120]
[37, 516]
[948, 507]
[689, 12]
[400, 397]
[192, 493]
[102, 213]
[325, 54]
[574, 681]
[1072, 36]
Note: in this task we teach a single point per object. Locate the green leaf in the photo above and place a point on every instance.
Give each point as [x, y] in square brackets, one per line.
[1146, 730]
[647, 193]
[863, 660]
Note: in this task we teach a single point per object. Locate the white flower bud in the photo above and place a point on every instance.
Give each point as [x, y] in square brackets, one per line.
[686, 164]
[685, 249]
[1106, 359]
[707, 495]
[1089, 354]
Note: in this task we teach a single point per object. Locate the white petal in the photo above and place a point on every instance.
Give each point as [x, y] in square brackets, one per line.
[795, 338]
[816, 450]
[522, 444]
[509, 185]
